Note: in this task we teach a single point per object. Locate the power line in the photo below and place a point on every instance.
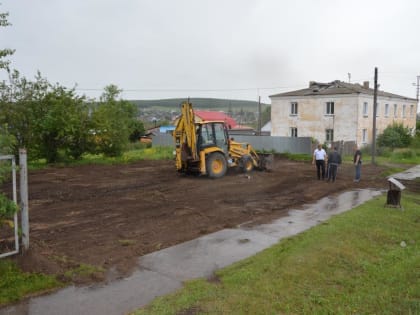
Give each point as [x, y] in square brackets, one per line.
[194, 90]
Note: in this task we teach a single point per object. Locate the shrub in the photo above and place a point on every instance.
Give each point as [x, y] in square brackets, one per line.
[405, 154]
[7, 208]
[384, 151]
[395, 136]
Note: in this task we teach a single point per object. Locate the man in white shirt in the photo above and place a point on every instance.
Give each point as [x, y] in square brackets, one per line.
[319, 158]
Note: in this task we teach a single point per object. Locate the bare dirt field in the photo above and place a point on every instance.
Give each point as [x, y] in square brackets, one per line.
[108, 216]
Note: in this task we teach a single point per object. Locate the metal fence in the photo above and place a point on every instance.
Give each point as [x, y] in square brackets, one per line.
[266, 143]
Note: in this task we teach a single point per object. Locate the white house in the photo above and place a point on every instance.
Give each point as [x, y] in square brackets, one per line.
[338, 111]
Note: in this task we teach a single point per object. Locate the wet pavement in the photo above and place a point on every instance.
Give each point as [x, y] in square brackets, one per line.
[410, 174]
[164, 271]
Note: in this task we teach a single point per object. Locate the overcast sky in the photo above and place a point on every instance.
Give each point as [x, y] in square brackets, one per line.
[235, 49]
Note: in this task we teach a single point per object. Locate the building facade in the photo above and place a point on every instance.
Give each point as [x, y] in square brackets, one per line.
[338, 111]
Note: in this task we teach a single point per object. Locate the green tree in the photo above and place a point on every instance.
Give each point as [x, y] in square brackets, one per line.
[395, 136]
[7, 206]
[4, 64]
[137, 130]
[45, 119]
[63, 124]
[112, 122]
[20, 109]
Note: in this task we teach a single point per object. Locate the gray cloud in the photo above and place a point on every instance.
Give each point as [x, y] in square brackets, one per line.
[214, 48]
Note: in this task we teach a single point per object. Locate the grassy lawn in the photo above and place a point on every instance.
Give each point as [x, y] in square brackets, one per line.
[15, 284]
[136, 153]
[365, 261]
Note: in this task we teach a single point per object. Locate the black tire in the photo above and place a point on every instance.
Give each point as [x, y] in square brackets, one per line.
[246, 164]
[216, 165]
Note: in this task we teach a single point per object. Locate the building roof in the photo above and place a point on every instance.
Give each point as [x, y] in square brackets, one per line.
[338, 88]
[206, 115]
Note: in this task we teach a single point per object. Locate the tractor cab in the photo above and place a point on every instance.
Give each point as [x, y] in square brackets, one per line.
[212, 134]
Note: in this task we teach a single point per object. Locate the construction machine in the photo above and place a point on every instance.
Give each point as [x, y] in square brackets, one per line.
[204, 148]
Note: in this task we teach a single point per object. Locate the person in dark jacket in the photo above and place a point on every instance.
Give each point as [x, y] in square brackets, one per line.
[357, 160]
[334, 159]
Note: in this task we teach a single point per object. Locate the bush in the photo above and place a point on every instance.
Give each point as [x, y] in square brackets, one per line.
[7, 207]
[405, 154]
[395, 136]
[384, 151]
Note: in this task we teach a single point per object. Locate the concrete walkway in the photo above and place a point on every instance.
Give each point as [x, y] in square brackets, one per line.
[162, 272]
[410, 174]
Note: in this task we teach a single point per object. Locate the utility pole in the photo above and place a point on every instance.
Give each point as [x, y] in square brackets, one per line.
[417, 85]
[375, 97]
[259, 116]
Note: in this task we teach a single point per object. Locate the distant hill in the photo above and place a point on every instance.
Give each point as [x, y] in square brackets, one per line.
[200, 103]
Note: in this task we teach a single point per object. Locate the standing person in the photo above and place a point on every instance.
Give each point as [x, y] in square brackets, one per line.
[357, 160]
[319, 158]
[334, 159]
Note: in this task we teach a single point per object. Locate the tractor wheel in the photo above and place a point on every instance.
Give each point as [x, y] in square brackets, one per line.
[246, 164]
[216, 165]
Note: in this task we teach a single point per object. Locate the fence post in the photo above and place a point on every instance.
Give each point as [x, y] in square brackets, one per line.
[24, 197]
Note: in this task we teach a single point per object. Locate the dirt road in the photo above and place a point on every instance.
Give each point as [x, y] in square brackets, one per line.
[108, 216]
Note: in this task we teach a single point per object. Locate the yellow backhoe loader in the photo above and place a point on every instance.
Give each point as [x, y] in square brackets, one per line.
[204, 148]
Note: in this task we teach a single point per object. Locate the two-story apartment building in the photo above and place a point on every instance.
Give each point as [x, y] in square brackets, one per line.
[338, 111]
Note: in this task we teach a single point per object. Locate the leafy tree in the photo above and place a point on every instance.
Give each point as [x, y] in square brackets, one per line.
[62, 125]
[395, 136]
[7, 206]
[137, 130]
[4, 64]
[46, 119]
[112, 122]
[7, 141]
[20, 99]
[111, 93]
[6, 144]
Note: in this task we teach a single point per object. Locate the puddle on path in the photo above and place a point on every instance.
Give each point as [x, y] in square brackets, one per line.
[162, 272]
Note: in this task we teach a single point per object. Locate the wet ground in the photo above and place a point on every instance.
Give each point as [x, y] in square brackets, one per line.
[164, 271]
[108, 216]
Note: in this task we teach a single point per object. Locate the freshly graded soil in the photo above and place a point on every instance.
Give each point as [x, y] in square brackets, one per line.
[109, 215]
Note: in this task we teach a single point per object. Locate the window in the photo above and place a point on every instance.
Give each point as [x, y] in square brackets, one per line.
[364, 136]
[386, 110]
[329, 135]
[403, 111]
[293, 132]
[293, 108]
[377, 109]
[329, 110]
[395, 111]
[365, 109]
[411, 111]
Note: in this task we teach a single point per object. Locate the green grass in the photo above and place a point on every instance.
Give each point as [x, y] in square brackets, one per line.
[15, 284]
[408, 156]
[83, 270]
[136, 153]
[355, 263]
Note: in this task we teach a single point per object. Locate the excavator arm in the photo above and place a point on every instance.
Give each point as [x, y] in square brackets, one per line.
[185, 137]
